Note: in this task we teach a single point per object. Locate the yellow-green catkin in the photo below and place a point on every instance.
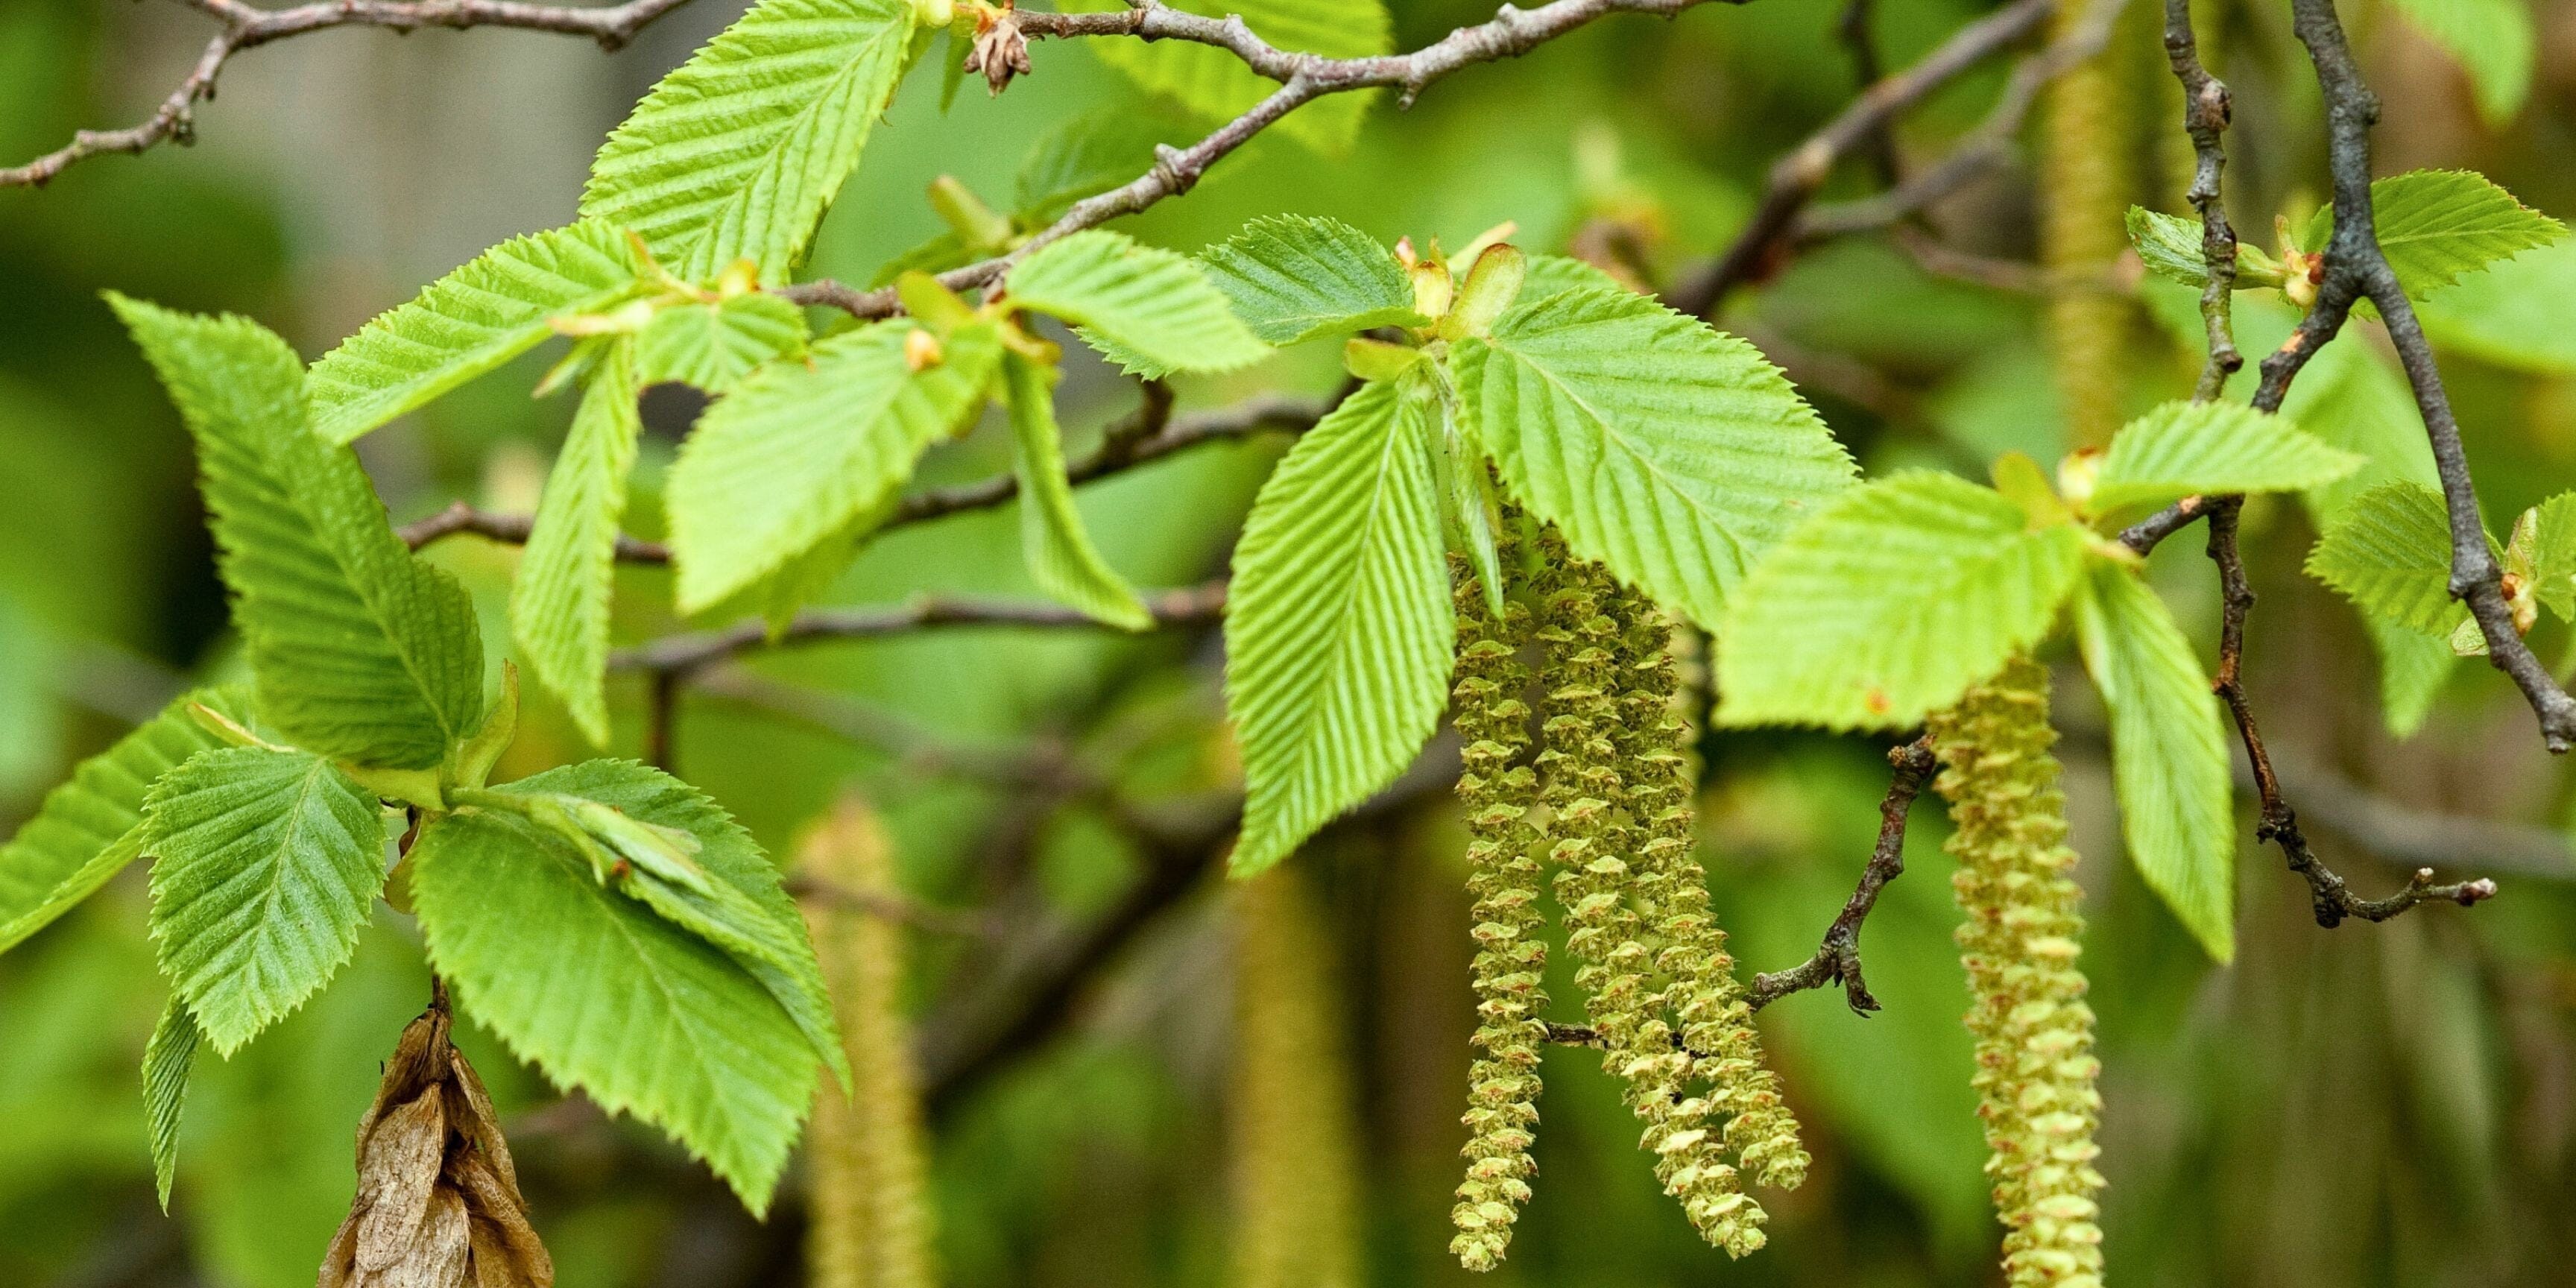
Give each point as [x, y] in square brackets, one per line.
[1295, 1156]
[2035, 1064]
[870, 1218]
[2087, 174]
[1497, 794]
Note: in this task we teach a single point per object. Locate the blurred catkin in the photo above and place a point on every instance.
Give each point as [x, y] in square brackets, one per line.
[870, 1217]
[1296, 1168]
[2035, 1064]
[2088, 174]
[1496, 795]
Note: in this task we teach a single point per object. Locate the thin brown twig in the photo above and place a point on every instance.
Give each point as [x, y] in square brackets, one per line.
[682, 654]
[1838, 956]
[512, 529]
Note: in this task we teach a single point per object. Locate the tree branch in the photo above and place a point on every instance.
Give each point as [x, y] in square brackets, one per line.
[247, 26]
[682, 654]
[1838, 957]
[512, 529]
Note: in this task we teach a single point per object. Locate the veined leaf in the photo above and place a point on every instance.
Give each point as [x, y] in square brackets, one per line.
[559, 601]
[604, 995]
[2389, 552]
[1890, 604]
[1090, 154]
[800, 450]
[2182, 449]
[1551, 274]
[1338, 630]
[713, 346]
[1157, 305]
[360, 651]
[167, 1060]
[2437, 224]
[735, 154]
[2168, 751]
[1058, 549]
[265, 864]
[2492, 40]
[472, 320]
[86, 830]
[2169, 246]
[1214, 84]
[1668, 451]
[2413, 667]
[2553, 554]
[1293, 278]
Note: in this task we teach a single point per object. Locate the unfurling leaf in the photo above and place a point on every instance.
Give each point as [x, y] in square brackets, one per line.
[167, 1060]
[1294, 277]
[559, 602]
[1156, 305]
[2209, 448]
[2169, 246]
[1338, 628]
[1058, 549]
[714, 345]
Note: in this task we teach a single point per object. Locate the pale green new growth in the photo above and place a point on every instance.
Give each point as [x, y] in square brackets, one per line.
[2169, 246]
[603, 994]
[1338, 629]
[2390, 554]
[167, 1060]
[2209, 448]
[2437, 224]
[265, 864]
[2553, 554]
[559, 601]
[1155, 307]
[1213, 83]
[1890, 604]
[1661, 448]
[1061, 558]
[801, 451]
[360, 651]
[2492, 40]
[483, 314]
[87, 830]
[735, 154]
[1295, 277]
[2168, 750]
[713, 346]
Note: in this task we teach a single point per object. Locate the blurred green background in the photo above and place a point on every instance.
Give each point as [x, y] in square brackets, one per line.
[2371, 1105]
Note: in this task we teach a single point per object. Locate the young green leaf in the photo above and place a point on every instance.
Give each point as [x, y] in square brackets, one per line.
[1058, 549]
[1157, 305]
[559, 601]
[1668, 451]
[2168, 750]
[467, 323]
[801, 450]
[605, 995]
[360, 651]
[265, 864]
[1889, 604]
[2169, 246]
[2413, 667]
[167, 1060]
[1293, 278]
[2390, 554]
[2182, 449]
[2553, 555]
[1338, 630]
[1214, 84]
[2437, 224]
[713, 346]
[2492, 40]
[87, 829]
[735, 154]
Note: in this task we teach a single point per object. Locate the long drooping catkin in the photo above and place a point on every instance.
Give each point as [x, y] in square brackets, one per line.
[2035, 1063]
[1295, 1153]
[871, 1220]
[2087, 175]
[1497, 794]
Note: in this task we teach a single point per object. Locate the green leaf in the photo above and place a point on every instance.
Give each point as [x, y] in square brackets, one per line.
[735, 154]
[2168, 751]
[1668, 451]
[2413, 667]
[559, 602]
[1338, 629]
[2389, 552]
[469, 322]
[360, 651]
[801, 450]
[265, 864]
[1089, 154]
[1293, 278]
[1215, 85]
[713, 346]
[605, 995]
[2518, 313]
[2492, 40]
[1058, 549]
[167, 1060]
[1889, 604]
[86, 830]
[2169, 246]
[2553, 555]
[2437, 224]
[2183, 449]
[1551, 274]
[1155, 304]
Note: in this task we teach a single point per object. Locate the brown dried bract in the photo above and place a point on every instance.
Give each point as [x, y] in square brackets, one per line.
[1000, 51]
[438, 1202]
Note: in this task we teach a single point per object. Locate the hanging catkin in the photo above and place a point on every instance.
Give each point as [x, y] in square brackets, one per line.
[870, 1217]
[1503, 876]
[2088, 172]
[2035, 1063]
[1295, 1152]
